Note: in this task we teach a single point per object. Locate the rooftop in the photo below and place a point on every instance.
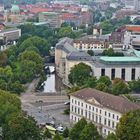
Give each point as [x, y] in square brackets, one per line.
[79, 56]
[65, 45]
[120, 59]
[117, 103]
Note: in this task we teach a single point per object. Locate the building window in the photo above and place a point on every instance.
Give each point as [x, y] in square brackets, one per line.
[81, 104]
[96, 119]
[102, 72]
[75, 102]
[123, 74]
[72, 100]
[86, 114]
[112, 74]
[92, 116]
[89, 107]
[72, 117]
[108, 132]
[108, 122]
[78, 103]
[86, 105]
[100, 119]
[75, 109]
[105, 113]
[104, 131]
[82, 112]
[113, 116]
[78, 111]
[133, 74]
[100, 111]
[117, 117]
[92, 108]
[105, 121]
[96, 109]
[89, 116]
[108, 114]
[112, 124]
[72, 108]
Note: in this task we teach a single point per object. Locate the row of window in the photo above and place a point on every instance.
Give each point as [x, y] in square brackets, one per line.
[99, 119]
[93, 109]
[123, 73]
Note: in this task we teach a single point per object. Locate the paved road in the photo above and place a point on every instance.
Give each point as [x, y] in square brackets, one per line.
[51, 107]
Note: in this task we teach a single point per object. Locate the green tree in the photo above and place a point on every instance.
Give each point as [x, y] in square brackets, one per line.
[21, 127]
[90, 52]
[90, 133]
[9, 104]
[77, 129]
[47, 134]
[129, 126]
[3, 59]
[66, 32]
[111, 136]
[102, 87]
[91, 82]
[104, 79]
[79, 74]
[120, 88]
[135, 85]
[34, 57]
[66, 133]
[16, 87]
[58, 137]
[41, 44]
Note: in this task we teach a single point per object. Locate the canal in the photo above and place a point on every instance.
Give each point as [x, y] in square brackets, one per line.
[53, 84]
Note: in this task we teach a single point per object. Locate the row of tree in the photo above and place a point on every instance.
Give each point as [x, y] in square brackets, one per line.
[81, 76]
[127, 129]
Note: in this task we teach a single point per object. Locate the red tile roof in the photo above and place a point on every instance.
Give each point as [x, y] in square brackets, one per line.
[39, 9]
[133, 28]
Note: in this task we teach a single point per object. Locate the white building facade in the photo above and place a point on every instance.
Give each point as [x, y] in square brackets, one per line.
[105, 116]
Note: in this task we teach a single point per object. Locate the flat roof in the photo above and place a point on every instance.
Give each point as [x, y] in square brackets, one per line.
[50, 13]
[120, 59]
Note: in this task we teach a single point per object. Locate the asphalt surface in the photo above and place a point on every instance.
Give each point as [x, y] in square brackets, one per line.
[45, 108]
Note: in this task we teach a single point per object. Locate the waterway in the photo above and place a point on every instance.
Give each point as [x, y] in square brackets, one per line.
[49, 84]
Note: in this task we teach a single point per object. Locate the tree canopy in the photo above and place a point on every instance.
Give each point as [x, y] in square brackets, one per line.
[129, 126]
[79, 73]
[77, 129]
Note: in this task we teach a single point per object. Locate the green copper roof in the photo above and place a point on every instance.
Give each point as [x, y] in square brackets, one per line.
[119, 59]
[137, 53]
[15, 8]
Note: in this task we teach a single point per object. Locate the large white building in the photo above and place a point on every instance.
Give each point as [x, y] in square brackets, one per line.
[125, 67]
[103, 109]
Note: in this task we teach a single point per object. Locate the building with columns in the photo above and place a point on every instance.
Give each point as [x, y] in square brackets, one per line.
[67, 56]
[103, 109]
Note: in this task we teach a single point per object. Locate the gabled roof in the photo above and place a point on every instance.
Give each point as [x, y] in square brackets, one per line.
[117, 103]
[65, 45]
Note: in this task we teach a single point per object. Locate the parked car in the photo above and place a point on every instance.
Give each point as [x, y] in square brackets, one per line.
[67, 103]
[60, 129]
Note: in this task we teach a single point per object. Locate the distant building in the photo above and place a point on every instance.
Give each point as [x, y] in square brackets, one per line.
[103, 109]
[10, 35]
[90, 43]
[51, 17]
[137, 5]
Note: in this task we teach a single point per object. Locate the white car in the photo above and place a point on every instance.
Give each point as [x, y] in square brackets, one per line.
[60, 129]
[67, 103]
